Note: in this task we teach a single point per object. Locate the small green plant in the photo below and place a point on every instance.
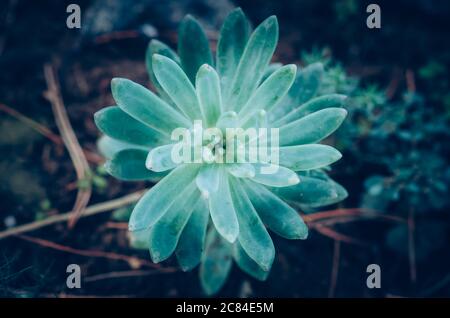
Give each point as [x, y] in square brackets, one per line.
[209, 210]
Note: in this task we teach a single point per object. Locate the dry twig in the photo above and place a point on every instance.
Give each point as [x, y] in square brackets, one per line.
[91, 210]
[335, 268]
[133, 261]
[53, 94]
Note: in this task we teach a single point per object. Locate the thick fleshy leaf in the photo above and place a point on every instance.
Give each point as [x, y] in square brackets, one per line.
[253, 235]
[157, 47]
[117, 124]
[155, 203]
[270, 92]
[306, 84]
[228, 120]
[247, 264]
[308, 157]
[275, 213]
[315, 104]
[129, 165]
[141, 104]
[165, 233]
[139, 239]
[192, 240]
[193, 47]
[216, 263]
[108, 146]
[253, 63]
[312, 128]
[274, 176]
[241, 170]
[313, 192]
[272, 67]
[232, 40]
[177, 85]
[222, 209]
[305, 87]
[207, 84]
[160, 159]
[208, 179]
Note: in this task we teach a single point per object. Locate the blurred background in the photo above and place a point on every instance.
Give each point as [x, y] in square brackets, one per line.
[395, 145]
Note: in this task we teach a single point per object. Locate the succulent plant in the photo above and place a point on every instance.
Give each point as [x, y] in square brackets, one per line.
[208, 211]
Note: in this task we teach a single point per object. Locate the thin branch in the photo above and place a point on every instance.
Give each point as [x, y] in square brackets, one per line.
[411, 246]
[41, 129]
[53, 94]
[410, 81]
[334, 268]
[349, 212]
[91, 210]
[337, 236]
[46, 132]
[121, 274]
[133, 262]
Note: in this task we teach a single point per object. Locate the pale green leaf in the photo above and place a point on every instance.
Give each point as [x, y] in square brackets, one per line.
[141, 104]
[275, 213]
[233, 37]
[193, 47]
[192, 240]
[257, 54]
[253, 235]
[165, 233]
[129, 165]
[177, 85]
[160, 159]
[312, 128]
[222, 209]
[208, 94]
[155, 203]
[274, 175]
[308, 157]
[216, 263]
[117, 124]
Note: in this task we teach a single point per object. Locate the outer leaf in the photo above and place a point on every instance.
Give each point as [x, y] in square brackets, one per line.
[209, 97]
[270, 92]
[208, 179]
[160, 159]
[253, 63]
[216, 263]
[193, 47]
[191, 243]
[129, 165]
[155, 203]
[313, 192]
[241, 170]
[157, 47]
[304, 88]
[222, 210]
[306, 84]
[108, 146]
[315, 104]
[253, 235]
[276, 214]
[165, 233]
[312, 128]
[247, 264]
[117, 124]
[272, 67]
[232, 40]
[143, 105]
[308, 157]
[177, 85]
[278, 177]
